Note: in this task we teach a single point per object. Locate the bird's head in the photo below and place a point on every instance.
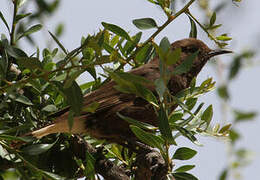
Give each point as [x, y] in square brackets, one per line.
[192, 45]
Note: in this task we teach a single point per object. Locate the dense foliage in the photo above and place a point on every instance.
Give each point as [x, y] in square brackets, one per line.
[35, 86]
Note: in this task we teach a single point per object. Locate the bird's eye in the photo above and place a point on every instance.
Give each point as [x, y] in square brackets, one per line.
[189, 49]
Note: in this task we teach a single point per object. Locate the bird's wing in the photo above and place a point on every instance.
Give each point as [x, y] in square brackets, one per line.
[107, 96]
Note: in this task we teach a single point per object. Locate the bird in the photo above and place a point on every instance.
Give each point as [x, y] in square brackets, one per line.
[105, 123]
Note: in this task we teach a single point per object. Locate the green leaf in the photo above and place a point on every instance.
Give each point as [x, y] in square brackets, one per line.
[91, 108]
[87, 85]
[74, 97]
[4, 21]
[193, 29]
[188, 134]
[207, 115]
[146, 94]
[30, 63]
[184, 176]
[184, 168]
[147, 138]
[175, 116]
[212, 19]
[137, 123]
[50, 108]
[72, 77]
[160, 87]
[184, 153]
[18, 17]
[37, 149]
[224, 174]
[13, 138]
[15, 52]
[52, 176]
[214, 27]
[223, 92]
[225, 128]
[71, 119]
[4, 65]
[234, 68]
[164, 126]
[20, 3]
[90, 167]
[186, 65]
[59, 29]
[172, 57]
[130, 45]
[133, 78]
[165, 45]
[191, 102]
[223, 38]
[20, 98]
[31, 30]
[117, 30]
[145, 53]
[234, 135]
[58, 42]
[130, 83]
[145, 23]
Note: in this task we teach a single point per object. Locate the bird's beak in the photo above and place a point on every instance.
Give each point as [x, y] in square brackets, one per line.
[218, 52]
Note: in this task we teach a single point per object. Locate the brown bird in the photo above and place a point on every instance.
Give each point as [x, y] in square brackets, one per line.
[105, 123]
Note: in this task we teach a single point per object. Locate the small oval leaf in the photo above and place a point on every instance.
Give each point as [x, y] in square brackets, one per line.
[184, 153]
[145, 23]
[31, 30]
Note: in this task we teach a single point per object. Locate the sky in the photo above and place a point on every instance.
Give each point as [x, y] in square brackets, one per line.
[241, 22]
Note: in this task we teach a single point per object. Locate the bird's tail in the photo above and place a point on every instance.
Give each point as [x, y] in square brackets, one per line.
[61, 126]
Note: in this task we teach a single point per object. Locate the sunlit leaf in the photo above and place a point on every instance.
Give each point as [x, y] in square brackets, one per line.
[225, 128]
[223, 38]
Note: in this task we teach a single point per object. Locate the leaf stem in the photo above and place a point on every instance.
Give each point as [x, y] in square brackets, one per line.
[202, 27]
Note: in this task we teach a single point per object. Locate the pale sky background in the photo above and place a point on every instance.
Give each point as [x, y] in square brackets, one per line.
[84, 17]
